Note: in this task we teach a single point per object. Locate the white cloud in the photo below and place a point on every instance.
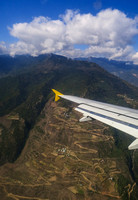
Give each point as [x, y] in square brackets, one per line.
[110, 28]
[108, 34]
[42, 35]
[135, 58]
[3, 48]
[23, 48]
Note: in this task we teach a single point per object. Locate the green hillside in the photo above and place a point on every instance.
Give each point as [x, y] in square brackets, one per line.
[123, 69]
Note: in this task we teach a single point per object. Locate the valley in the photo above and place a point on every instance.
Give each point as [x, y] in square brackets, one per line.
[62, 160]
[45, 152]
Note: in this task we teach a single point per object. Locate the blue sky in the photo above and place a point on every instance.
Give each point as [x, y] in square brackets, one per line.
[15, 13]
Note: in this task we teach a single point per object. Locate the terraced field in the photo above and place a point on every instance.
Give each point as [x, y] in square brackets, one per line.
[65, 160]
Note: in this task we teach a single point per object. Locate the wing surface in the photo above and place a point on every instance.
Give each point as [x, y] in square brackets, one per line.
[124, 119]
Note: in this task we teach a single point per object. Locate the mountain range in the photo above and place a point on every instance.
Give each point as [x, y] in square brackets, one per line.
[123, 69]
[45, 153]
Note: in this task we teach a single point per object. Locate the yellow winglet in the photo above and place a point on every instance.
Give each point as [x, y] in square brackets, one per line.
[56, 94]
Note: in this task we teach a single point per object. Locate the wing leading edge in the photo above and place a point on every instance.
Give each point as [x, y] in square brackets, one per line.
[124, 119]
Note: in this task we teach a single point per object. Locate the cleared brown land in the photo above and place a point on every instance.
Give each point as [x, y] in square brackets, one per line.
[62, 161]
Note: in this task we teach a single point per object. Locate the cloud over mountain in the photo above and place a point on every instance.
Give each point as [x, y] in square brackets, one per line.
[135, 58]
[3, 48]
[108, 34]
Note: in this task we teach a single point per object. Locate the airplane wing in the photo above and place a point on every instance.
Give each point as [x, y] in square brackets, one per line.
[124, 119]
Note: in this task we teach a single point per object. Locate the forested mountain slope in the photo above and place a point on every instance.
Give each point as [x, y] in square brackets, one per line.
[123, 69]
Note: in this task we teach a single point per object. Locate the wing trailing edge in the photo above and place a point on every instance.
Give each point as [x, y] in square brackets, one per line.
[121, 118]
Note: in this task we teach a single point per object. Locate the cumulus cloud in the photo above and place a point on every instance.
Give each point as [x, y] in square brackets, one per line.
[108, 34]
[135, 58]
[3, 48]
[42, 35]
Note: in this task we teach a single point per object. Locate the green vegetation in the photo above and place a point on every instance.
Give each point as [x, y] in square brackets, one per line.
[122, 184]
[12, 141]
[81, 192]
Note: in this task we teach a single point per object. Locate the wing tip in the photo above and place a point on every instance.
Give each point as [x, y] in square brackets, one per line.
[57, 94]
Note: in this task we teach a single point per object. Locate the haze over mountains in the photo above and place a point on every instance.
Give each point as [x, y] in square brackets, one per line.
[45, 153]
[123, 69]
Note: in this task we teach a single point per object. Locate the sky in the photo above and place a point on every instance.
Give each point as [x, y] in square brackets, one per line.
[73, 28]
